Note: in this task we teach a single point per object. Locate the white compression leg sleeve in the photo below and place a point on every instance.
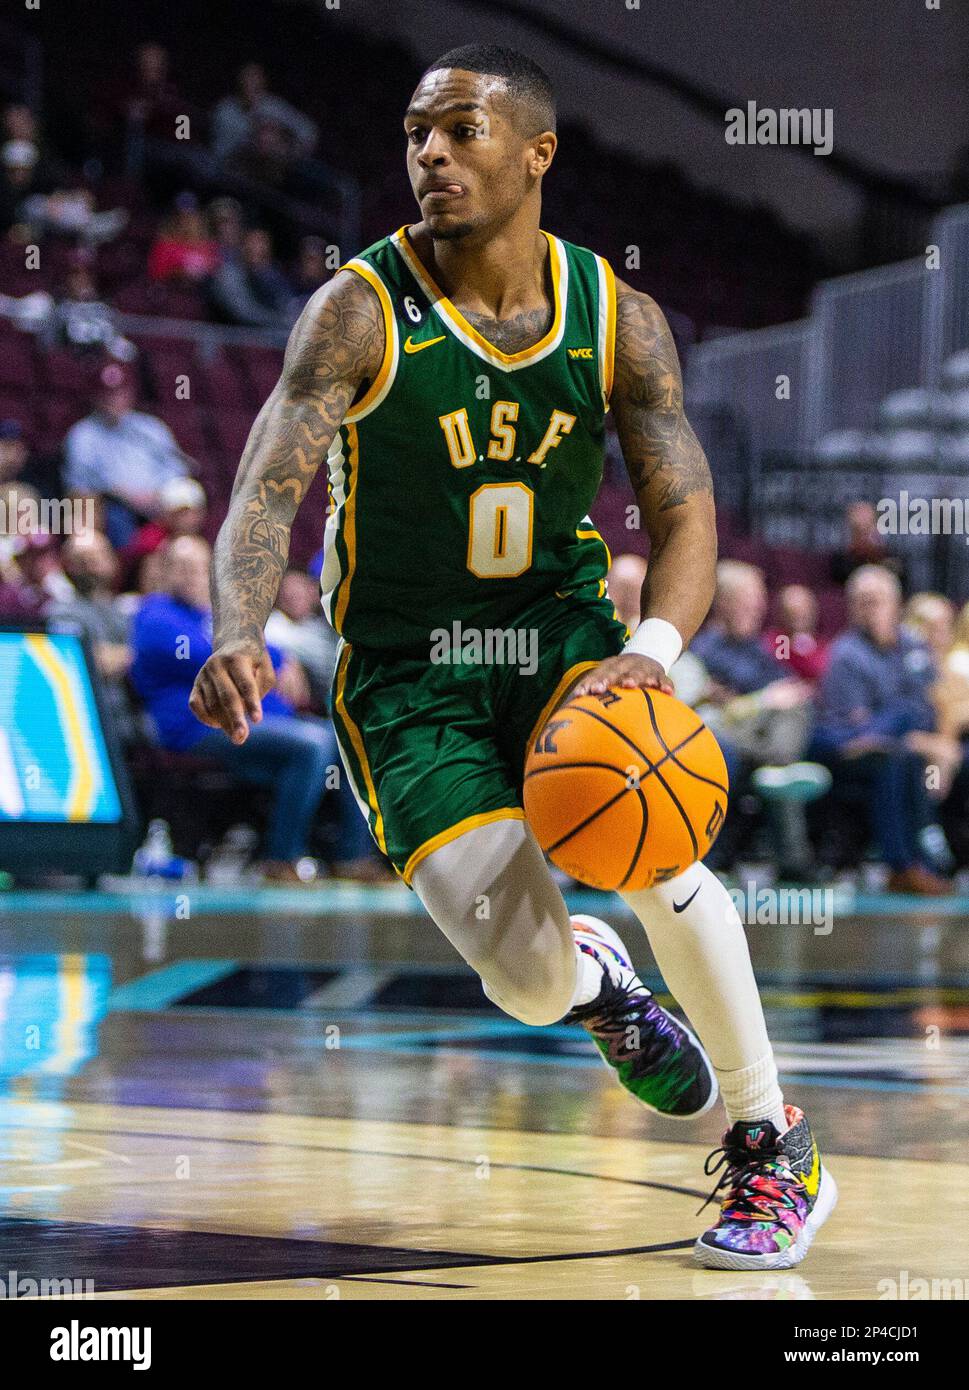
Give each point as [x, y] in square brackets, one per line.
[698, 939]
[490, 892]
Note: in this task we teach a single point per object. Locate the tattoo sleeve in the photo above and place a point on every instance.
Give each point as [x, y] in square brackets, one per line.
[335, 347]
[667, 466]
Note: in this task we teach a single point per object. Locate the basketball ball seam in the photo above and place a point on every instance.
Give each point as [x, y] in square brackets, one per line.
[668, 754]
[606, 805]
[560, 767]
[653, 768]
[644, 807]
[672, 752]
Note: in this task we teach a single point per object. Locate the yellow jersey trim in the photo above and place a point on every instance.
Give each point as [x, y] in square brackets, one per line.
[469, 335]
[384, 379]
[583, 532]
[356, 741]
[444, 837]
[607, 328]
[349, 530]
[571, 675]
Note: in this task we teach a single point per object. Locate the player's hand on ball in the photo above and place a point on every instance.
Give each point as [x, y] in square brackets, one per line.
[629, 670]
[229, 688]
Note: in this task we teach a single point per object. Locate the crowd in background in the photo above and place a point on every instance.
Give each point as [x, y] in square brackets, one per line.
[837, 746]
[871, 724]
[215, 246]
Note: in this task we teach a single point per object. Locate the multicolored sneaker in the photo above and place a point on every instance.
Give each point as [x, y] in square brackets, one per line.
[654, 1056]
[778, 1196]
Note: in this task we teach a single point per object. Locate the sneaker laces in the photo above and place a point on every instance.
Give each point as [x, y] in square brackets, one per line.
[749, 1184]
[623, 1008]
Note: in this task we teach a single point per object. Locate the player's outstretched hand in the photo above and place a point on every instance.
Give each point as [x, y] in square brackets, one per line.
[630, 670]
[229, 688]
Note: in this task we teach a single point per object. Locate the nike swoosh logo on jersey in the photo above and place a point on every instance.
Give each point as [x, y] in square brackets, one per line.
[411, 346]
[681, 907]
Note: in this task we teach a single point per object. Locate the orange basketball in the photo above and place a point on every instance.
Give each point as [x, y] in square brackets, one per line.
[625, 789]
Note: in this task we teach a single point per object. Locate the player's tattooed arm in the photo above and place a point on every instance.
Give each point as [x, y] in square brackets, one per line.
[336, 346]
[667, 467]
[671, 480]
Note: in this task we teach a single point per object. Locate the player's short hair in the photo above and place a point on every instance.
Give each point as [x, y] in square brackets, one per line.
[528, 84]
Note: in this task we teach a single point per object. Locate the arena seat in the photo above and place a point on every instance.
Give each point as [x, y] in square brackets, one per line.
[222, 384]
[908, 449]
[955, 371]
[913, 408]
[845, 448]
[66, 372]
[232, 428]
[831, 610]
[957, 411]
[262, 366]
[16, 359]
[188, 424]
[954, 453]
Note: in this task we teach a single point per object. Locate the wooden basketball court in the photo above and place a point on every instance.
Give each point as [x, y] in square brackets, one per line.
[305, 1095]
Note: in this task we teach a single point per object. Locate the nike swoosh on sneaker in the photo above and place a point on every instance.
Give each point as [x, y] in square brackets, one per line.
[681, 907]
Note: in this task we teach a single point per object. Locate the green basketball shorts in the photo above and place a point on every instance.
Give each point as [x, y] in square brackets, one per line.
[434, 743]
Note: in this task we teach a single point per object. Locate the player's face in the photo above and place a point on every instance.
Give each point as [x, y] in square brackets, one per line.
[469, 167]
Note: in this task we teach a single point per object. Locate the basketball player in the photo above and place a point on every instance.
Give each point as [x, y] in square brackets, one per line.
[457, 374]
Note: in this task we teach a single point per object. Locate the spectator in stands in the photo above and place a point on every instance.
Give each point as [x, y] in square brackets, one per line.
[121, 454]
[30, 208]
[16, 498]
[298, 628]
[794, 641]
[310, 272]
[625, 587]
[957, 657]
[185, 252]
[150, 99]
[295, 756]
[237, 119]
[182, 509]
[931, 618]
[866, 546]
[877, 727]
[17, 463]
[251, 290]
[92, 567]
[20, 123]
[269, 285]
[18, 600]
[951, 698]
[42, 579]
[80, 320]
[226, 225]
[755, 710]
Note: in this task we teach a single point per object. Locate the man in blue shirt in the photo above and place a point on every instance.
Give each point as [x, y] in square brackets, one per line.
[172, 639]
[876, 725]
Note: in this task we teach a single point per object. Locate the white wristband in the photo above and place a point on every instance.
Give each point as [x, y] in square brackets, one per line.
[658, 639]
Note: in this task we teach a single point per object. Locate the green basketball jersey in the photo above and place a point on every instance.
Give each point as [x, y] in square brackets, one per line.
[461, 481]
